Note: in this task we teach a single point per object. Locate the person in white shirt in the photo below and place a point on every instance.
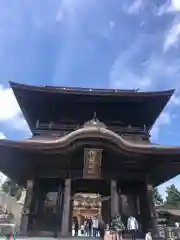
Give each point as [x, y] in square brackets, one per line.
[176, 224]
[95, 227]
[132, 226]
[148, 236]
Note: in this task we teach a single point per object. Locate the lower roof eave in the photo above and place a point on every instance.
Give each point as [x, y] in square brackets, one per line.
[165, 171]
[88, 133]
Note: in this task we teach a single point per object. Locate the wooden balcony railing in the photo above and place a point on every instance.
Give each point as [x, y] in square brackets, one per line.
[69, 127]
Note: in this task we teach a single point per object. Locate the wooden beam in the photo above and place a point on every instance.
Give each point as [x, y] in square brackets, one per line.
[59, 173]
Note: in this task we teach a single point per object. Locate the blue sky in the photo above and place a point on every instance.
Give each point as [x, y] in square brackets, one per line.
[91, 43]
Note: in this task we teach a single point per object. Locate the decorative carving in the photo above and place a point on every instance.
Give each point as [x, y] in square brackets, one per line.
[92, 163]
[95, 122]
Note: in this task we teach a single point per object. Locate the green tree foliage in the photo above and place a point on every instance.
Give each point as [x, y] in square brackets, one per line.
[12, 189]
[157, 197]
[173, 197]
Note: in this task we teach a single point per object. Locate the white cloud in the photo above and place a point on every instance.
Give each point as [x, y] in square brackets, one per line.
[2, 176]
[162, 9]
[175, 100]
[72, 10]
[156, 72]
[2, 136]
[122, 77]
[130, 81]
[135, 7]
[153, 72]
[164, 119]
[172, 36]
[174, 5]
[8, 105]
[10, 113]
[168, 7]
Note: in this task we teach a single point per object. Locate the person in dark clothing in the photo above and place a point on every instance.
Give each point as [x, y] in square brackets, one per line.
[76, 226]
[86, 229]
[102, 227]
[89, 226]
[117, 226]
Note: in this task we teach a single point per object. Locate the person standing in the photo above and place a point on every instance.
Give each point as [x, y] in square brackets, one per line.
[89, 226]
[82, 230]
[95, 226]
[132, 226]
[117, 227]
[86, 227]
[76, 226]
[102, 227]
[148, 235]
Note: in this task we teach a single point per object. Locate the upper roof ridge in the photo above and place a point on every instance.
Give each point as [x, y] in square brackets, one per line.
[81, 90]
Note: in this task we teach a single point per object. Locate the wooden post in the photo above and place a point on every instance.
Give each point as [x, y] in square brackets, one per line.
[114, 199]
[144, 208]
[120, 202]
[65, 231]
[58, 211]
[147, 209]
[105, 210]
[26, 209]
[152, 209]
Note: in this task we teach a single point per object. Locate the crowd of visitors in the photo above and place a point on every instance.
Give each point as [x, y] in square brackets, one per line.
[92, 227]
[98, 228]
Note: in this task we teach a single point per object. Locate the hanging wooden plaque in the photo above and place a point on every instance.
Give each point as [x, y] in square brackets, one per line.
[92, 163]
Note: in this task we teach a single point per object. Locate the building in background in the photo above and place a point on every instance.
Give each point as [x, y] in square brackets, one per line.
[85, 206]
[10, 209]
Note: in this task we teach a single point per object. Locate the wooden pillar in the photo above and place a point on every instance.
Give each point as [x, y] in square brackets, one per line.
[120, 202]
[105, 210]
[144, 208]
[138, 210]
[26, 208]
[152, 209]
[137, 204]
[59, 206]
[131, 199]
[71, 214]
[147, 209]
[114, 199]
[65, 231]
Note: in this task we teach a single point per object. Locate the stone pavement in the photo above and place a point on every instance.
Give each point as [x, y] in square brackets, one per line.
[68, 238]
[52, 238]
